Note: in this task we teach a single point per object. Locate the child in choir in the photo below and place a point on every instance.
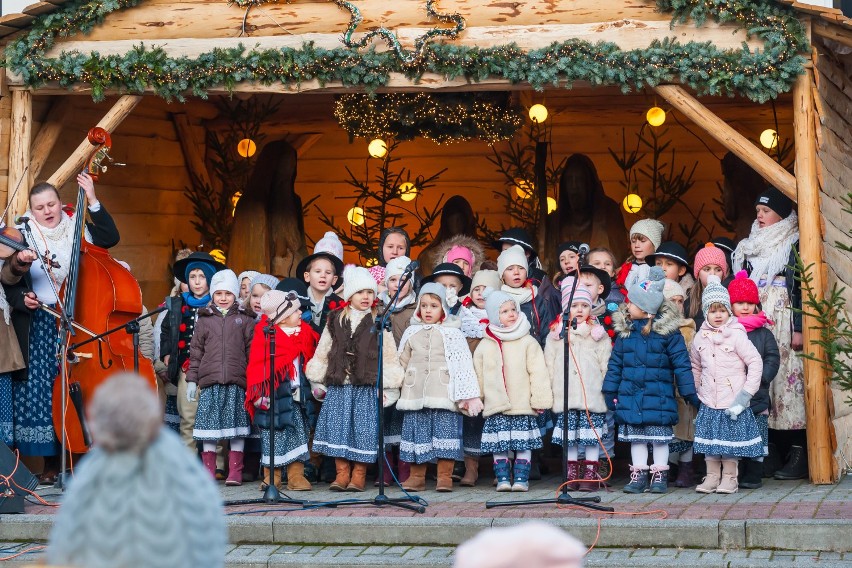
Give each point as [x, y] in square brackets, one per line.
[461, 250]
[745, 303]
[457, 283]
[680, 447]
[672, 258]
[568, 255]
[474, 330]
[515, 386]
[439, 384]
[649, 356]
[345, 366]
[217, 365]
[393, 243]
[295, 343]
[539, 303]
[645, 236]
[727, 370]
[603, 259]
[245, 279]
[710, 260]
[321, 272]
[260, 285]
[728, 246]
[520, 237]
[589, 355]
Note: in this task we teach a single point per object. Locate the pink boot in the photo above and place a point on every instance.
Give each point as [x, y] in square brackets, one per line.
[387, 471]
[209, 461]
[235, 468]
[404, 469]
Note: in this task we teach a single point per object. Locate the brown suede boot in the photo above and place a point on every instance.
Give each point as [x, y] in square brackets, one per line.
[445, 479]
[359, 477]
[296, 480]
[417, 479]
[265, 483]
[344, 474]
[276, 479]
[471, 472]
[713, 477]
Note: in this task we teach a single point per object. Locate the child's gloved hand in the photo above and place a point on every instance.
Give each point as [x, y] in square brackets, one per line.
[262, 403]
[473, 406]
[452, 297]
[611, 402]
[734, 411]
[191, 389]
[318, 391]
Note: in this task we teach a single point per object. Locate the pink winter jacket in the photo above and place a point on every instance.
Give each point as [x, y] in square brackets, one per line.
[720, 360]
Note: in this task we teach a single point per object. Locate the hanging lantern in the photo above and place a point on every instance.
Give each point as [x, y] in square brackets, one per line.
[538, 113]
[407, 191]
[655, 116]
[632, 203]
[768, 138]
[218, 255]
[551, 205]
[356, 216]
[370, 262]
[377, 148]
[523, 188]
[246, 147]
[234, 200]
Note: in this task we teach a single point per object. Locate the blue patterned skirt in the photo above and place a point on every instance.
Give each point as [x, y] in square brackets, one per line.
[502, 433]
[472, 435]
[645, 434]
[431, 434]
[393, 427]
[763, 427]
[7, 420]
[348, 424]
[678, 446]
[580, 432]
[717, 435]
[171, 418]
[221, 414]
[33, 398]
[291, 444]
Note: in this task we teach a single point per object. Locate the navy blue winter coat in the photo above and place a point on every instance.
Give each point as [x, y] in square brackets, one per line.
[643, 370]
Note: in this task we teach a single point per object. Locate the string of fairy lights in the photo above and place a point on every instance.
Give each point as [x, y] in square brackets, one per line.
[761, 75]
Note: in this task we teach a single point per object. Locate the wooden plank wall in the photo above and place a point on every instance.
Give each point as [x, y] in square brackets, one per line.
[834, 86]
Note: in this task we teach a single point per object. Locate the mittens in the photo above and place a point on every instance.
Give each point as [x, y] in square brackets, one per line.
[191, 389]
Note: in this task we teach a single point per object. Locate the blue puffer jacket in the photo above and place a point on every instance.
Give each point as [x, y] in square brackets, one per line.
[640, 370]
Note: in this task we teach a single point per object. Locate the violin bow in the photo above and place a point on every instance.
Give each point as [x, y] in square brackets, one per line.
[11, 198]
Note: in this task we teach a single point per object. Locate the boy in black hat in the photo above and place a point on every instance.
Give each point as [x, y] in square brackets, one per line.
[673, 259]
[321, 272]
[452, 277]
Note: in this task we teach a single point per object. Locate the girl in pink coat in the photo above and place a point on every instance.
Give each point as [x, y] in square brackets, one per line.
[727, 369]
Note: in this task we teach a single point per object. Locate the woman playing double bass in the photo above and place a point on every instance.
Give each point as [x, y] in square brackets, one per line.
[51, 233]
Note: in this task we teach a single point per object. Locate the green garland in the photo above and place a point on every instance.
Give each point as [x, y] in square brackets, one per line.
[702, 67]
[439, 117]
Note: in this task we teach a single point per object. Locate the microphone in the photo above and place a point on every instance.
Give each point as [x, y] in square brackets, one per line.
[412, 266]
[21, 220]
[583, 250]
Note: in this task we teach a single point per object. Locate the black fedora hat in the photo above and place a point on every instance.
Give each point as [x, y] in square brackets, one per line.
[298, 286]
[517, 236]
[602, 275]
[672, 250]
[302, 267]
[179, 268]
[448, 268]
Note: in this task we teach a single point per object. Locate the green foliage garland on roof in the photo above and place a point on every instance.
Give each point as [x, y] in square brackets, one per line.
[702, 67]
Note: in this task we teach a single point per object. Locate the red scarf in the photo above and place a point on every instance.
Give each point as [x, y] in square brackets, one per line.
[302, 344]
[623, 273]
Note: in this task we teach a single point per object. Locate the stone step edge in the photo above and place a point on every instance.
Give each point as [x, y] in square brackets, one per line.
[781, 534]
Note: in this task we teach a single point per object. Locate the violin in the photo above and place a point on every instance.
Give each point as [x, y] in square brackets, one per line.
[12, 241]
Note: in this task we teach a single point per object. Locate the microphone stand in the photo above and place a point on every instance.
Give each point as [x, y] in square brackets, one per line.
[564, 498]
[382, 324]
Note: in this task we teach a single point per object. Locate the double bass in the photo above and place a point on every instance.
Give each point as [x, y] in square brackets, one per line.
[99, 294]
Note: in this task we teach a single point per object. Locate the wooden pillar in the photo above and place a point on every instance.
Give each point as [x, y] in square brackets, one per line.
[19, 152]
[820, 455]
[49, 133]
[768, 168]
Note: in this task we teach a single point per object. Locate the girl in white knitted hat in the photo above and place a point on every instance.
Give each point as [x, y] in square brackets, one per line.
[645, 237]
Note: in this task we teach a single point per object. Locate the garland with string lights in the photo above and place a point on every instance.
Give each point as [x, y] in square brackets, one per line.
[439, 117]
[703, 67]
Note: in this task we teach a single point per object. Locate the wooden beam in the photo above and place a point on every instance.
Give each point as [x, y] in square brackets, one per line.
[303, 142]
[833, 32]
[48, 134]
[820, 454]
[19, 153]
[768, 168]
[123, 107]
[191, 149]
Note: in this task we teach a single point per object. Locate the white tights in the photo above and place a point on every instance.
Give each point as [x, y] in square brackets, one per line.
[519, 455]
[592, 453]
[639, 453]
[237, 445]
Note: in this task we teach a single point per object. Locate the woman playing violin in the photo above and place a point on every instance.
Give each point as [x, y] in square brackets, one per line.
[51, 235]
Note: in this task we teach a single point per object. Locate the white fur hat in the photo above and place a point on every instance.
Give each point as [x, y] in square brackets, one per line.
[514, 255]
[330, 243]
[396, 267]
[355, 279]
[225, 280]
[651, 228]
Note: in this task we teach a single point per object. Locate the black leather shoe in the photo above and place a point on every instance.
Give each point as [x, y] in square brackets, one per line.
[796, 466]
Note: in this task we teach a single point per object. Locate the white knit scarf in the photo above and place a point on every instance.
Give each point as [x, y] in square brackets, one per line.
[767, 249]
[517, 331]
[523, 294]
[59, 240]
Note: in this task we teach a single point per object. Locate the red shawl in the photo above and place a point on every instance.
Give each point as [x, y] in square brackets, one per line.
[287, 347]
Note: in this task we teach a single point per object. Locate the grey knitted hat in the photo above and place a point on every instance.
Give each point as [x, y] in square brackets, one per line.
[265, 279]
[714, 293]
[493, 300]
[648, 294]
[436, 290]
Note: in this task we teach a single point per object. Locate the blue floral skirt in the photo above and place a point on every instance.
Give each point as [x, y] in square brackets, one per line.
[33, 398]
[431, 434]
[580, 432]
[348, 424]
[763, 427]
[502, 433]
[221, 414]
[291, 444]
[645, 434]
[171, 418]
[472, 435]
[7, 420]
[717, 435]
[393, 427]
[678, 446]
